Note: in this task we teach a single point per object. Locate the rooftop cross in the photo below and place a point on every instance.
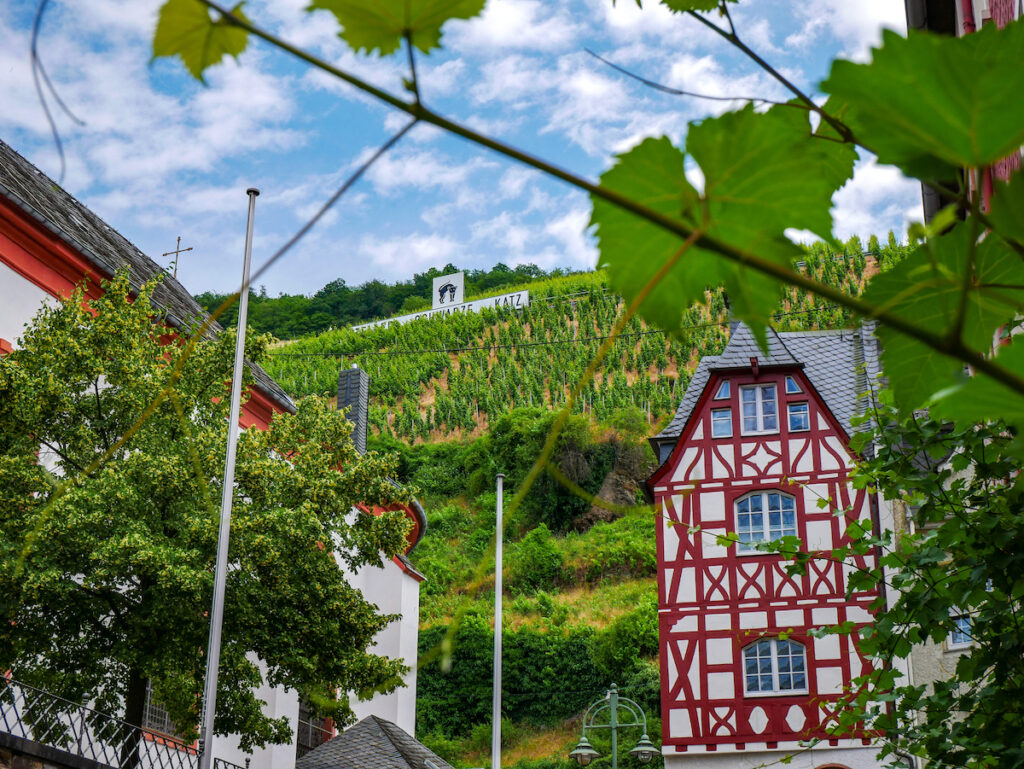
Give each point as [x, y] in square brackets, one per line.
[178, 250]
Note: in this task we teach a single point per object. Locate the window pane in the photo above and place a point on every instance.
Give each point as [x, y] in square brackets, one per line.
[721, 423]
[791, 385]
[749, 395]
[799, 416]
[723, 390]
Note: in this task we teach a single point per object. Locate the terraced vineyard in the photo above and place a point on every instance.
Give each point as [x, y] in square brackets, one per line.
[450, 376]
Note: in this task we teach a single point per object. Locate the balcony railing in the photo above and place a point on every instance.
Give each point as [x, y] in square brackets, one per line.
[44, 720]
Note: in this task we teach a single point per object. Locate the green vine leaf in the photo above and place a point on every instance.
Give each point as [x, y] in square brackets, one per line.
[380, 25]
[682, 6]
[926, 288]
[1007, 209]
[982, 398]
[186, 29]
[964, 109]
[749, 161]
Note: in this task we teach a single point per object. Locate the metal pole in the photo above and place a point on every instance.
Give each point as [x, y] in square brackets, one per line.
[613, 702]
[220, 572]
[499, 531]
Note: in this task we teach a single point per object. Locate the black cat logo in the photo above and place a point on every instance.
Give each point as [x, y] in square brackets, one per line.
[447, 288]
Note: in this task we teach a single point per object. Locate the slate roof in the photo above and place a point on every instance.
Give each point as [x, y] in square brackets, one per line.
[373, 742]
[840, 364]
[107, 250]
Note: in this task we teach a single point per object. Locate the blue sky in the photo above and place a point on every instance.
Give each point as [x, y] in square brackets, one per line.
[161, 156]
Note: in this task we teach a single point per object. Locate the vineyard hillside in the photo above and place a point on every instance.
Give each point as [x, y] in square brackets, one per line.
[448, 377]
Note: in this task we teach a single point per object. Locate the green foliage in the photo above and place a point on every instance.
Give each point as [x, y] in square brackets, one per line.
[927, 287]
[381, 25]
[620, 649]
[933, 134]
[186, 30]
[549, 676]
[964, 555]
[99, 559]
[535, 562]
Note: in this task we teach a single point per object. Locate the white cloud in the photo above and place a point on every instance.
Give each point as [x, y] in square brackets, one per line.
[404, 171]
[401, 256]
[857, 25]
[877, 199]
[522, 24]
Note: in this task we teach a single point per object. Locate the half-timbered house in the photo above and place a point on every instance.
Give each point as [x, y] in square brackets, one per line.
[759, 446]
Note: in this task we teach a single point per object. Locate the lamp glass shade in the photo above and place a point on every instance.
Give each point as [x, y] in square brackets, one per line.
[644, 750]
[584, 752]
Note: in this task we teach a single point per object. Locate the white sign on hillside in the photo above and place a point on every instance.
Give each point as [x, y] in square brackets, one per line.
[449, 290]
[514, 300]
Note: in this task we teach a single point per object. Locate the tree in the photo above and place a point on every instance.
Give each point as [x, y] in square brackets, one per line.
[956, 566]
[112, 443]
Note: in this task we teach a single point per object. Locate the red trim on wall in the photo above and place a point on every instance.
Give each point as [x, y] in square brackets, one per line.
[48, 262]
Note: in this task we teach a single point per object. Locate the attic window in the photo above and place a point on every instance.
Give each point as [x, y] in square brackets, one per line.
[792, 386]
[723, 390]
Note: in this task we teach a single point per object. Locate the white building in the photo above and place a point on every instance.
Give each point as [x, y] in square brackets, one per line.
[49, 244]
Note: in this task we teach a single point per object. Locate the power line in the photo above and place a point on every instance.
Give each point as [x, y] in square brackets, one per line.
[514, 345]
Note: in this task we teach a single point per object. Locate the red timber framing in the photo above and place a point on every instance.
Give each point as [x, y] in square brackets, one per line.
[714, 600]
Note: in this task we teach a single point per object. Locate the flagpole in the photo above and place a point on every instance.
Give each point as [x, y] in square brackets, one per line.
[496, 702]
[223, 535]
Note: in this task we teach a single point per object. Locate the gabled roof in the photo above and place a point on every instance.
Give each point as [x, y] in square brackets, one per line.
[56, 210]
[840, 364]
[373, 742]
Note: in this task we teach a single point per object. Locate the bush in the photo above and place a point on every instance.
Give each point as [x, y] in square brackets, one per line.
[536, 561]
[619, 649]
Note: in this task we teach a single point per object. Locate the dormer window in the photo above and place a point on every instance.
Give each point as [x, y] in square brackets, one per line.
[760, 409]
[723, 390]
[792, 388]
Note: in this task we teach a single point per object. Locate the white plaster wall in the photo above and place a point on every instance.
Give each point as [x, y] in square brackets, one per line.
[821, 755]
[20, 300]
[280, 702]
[393, 591]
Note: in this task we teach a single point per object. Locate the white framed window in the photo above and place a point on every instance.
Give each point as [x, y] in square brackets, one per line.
[960, 637]
[760, 409]
[723, 390]
[774, 666]
[155, 717]
[791, 386]
[799, 417]
[764, 516]
[721, 423]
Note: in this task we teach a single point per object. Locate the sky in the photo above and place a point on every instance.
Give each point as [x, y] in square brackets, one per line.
[160, 155]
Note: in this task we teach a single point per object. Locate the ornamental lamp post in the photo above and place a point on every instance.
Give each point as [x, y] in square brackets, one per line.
[604, 714]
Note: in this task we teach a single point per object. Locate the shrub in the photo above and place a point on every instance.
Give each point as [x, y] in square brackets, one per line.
[619, 649]
[536, 561]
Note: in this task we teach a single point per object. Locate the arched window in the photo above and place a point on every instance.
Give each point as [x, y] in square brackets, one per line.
[773, 666]
[764, 516]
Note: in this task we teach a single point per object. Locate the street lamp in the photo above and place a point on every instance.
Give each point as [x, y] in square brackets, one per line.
[604, 714]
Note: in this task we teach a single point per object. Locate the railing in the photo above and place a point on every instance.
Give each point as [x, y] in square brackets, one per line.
[42, 718]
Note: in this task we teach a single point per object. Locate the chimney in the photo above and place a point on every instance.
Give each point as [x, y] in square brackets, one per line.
[354, 392]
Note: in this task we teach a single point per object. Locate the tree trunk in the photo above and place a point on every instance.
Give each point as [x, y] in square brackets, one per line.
[134, 710]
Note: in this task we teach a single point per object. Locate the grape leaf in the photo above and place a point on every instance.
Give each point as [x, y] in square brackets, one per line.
[1006, 211]
[681, 6]
[380, 25]
[981, 398]
[186, 29]
[925, 288]
[933, 103]
[750, 162]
